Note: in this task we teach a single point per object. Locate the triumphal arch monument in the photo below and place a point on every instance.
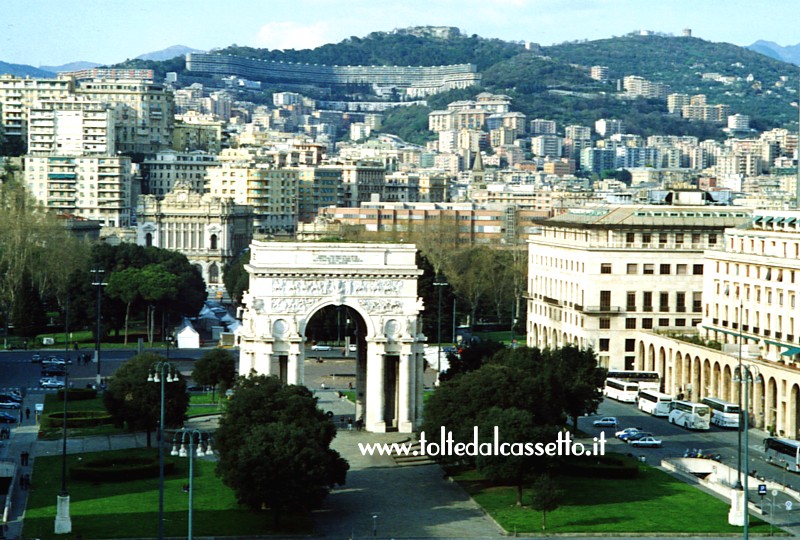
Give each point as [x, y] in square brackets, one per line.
[377, 283]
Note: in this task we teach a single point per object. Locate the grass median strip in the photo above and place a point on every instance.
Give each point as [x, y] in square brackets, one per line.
[653, 503]
[130, 509]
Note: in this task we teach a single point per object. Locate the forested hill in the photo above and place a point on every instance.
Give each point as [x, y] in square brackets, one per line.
[553, 82]
[394, 49]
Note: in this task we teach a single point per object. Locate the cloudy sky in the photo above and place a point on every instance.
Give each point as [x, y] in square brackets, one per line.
[54, 32]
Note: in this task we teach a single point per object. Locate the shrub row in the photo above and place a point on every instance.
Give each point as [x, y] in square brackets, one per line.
[77, 419]
[608, 466]
[77, 394]
[119, 469]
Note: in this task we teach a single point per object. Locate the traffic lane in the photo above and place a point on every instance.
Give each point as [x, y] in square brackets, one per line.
[675, 440]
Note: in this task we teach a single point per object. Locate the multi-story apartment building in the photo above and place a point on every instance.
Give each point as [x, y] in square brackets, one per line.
[317, 187]
[676, 102]
[546, 146]
[193, 132]
[162, 171]
[70, 126]
[491, 224]
[143, 112]
[18, 95]
[640, 87]
[599, 73]
[606, 127]
[210, 231]
[599, 273]
[360, 180]
[751, 283]
[92, 187]
[707, 113]
[540, 126]
[270, 191]
[576, 132]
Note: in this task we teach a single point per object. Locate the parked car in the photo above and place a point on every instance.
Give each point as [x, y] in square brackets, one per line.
[13, 395]
[606, 421]
[631, 435]
[51, 382]
[646, 442]
[36, 358]
[624, 432]
[54, 369]
[6, 418]
[55, 361]
[9, 404]
[321, 348]
[353, 348]
[638, 436]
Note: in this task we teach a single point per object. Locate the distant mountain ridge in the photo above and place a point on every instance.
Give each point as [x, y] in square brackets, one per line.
[22, 70]
[72, 66]
[168, 53]
[789, 53]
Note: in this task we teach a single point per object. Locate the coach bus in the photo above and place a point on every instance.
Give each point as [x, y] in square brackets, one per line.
[647, 380]
[690, 415]
[723, 414]
[654, 402]
[784, 453]
[624, 391]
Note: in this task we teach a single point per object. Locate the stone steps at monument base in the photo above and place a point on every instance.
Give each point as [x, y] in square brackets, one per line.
[411, 459]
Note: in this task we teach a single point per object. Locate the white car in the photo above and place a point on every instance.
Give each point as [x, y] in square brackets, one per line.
[624, 432]
[321, 348]
[646, 442]
[606, 421]
[51, 382]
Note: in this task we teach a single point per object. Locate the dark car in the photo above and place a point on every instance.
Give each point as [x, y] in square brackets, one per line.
[6, 418]
[11, 396]
[626, 436]
[638, 435]
[51, 370]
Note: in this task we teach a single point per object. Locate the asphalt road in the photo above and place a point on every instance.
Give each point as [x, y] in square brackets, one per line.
[676, 440]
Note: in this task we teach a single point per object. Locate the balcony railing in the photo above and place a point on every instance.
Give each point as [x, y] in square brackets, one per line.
[602, 309]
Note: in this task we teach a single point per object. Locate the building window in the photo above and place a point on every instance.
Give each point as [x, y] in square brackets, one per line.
[697, 269]
[605, 344]
[605, 299]
[680, 322]
[605, 323]
[649, 269]
[647, 324]
[630, 324]
[663, 322]
[646, 238]
[663, 301]
[630, 303]
[630, 238]
[663, 269]
[680, 301]
[680, 269]
[679, 238]
[712, 239]
[695, 238]
[630, 345]
[213, 241]
[695, 322]
[662, 238]
[647, 300]
[605, 268]
[148, 240]
[633, 268]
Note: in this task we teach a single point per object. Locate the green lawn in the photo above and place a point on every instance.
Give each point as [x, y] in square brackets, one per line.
[53, 404]
[654, 503]
[126, 509]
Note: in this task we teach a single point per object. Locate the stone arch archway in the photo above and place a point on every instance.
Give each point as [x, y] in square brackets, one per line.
[291, 282]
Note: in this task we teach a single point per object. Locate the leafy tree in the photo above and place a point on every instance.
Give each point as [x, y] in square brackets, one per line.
[582, 380]
[134, 401]
[27, 312]
[236, 278]
[471, 274]
[546, 496]
[215, 368]
[157, 286]
[274, 447]
[471, 358]
[125, 285]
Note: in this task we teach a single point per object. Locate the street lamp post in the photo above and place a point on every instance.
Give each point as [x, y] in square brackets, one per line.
[63, 524]
[439, 283]
[187, 437]
[374, 525]
[99, 283]
[161, 372]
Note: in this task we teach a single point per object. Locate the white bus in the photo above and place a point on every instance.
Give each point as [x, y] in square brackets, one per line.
[690, 415]
[784, 453]
[621, 390]
[654, 402]
[723, 414]
[647, 380]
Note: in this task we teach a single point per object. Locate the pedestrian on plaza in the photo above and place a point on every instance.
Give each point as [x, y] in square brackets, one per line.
[27, 413]
[359, 424]
[27, 458]
[350, 423]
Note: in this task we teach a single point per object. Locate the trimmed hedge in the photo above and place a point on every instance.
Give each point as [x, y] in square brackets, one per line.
[608, 466]
[76, 419]
[119, 469]
[77, 394]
